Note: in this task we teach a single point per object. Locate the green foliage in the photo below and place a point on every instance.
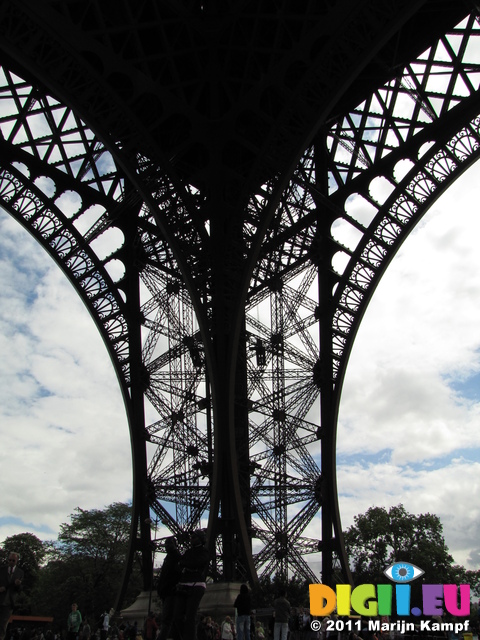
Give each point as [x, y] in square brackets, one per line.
[32, 552]
[101, 535]
[380, 537]
[85, 565]
[460, 575]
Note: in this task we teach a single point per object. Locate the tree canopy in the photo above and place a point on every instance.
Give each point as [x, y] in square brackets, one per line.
[30, 548]
[380, 537]
[100, 535]
[32, 552]
[85, 565]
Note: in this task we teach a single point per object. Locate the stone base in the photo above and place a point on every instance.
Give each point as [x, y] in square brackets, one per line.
[217, 602]
[138, 611]
[218, 599]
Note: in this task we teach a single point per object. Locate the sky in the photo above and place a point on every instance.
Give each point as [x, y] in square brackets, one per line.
[63, 429]
[410, 411]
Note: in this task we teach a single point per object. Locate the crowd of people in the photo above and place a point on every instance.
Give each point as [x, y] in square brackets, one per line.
[11, 577]
[35, 633]
[86, 631]
[297, 627]
[181, 585]
[284, 623]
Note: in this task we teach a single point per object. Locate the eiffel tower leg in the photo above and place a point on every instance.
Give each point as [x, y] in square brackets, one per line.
[140, 539]
[230, 516]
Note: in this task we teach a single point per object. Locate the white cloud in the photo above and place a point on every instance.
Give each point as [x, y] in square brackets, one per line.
[65, 440]
[449, 492]
[406, 398]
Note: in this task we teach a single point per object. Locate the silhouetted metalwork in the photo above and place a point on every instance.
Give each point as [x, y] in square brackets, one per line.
[224, 184]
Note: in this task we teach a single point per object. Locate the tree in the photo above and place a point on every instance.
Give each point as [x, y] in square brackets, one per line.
[101, 535]
[87, 563]
[380, 538]
[32, 552]
[460, 575]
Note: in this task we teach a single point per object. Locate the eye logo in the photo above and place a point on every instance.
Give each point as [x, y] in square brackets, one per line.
[403, 572]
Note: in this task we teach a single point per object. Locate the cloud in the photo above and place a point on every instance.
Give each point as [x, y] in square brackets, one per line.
[446, 491]
[408, 428]
[65, 440]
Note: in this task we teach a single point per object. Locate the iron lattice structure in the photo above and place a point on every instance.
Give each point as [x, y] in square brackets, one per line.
[224, 184]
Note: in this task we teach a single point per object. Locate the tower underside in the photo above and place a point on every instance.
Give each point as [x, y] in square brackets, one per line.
[224, 184]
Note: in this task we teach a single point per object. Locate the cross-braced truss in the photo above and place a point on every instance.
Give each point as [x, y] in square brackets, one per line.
[139, 239]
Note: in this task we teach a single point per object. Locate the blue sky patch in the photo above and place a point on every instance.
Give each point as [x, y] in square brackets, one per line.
[468, 388]
[27, 526]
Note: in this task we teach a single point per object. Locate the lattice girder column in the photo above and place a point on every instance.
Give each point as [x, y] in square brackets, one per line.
[229, 519]
[141, 499]
[35, 194]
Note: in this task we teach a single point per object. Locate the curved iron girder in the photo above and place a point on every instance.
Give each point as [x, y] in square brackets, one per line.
[30, 149]
[124, 65]
[50, 153]
[149, 175]
[64, 176]
[21, 196]
[453, 151]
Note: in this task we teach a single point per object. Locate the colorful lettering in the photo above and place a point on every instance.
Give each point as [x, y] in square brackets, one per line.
[451, 600]
[402, 598]
[322, 600]
[343, 599]
[361, 595]
[432, 599]
[384, 597]
[368, 600]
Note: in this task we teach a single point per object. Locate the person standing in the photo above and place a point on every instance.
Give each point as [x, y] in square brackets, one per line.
[243, 605]
[151, 626]
[206, 629]
[11, 577]
[105, 624]
[133, 631]
[227, 632]
[282, 610]
[86, 630]
[166, 585]
[304, 623]
[74, 621]
[259, 631]
[191, 587]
